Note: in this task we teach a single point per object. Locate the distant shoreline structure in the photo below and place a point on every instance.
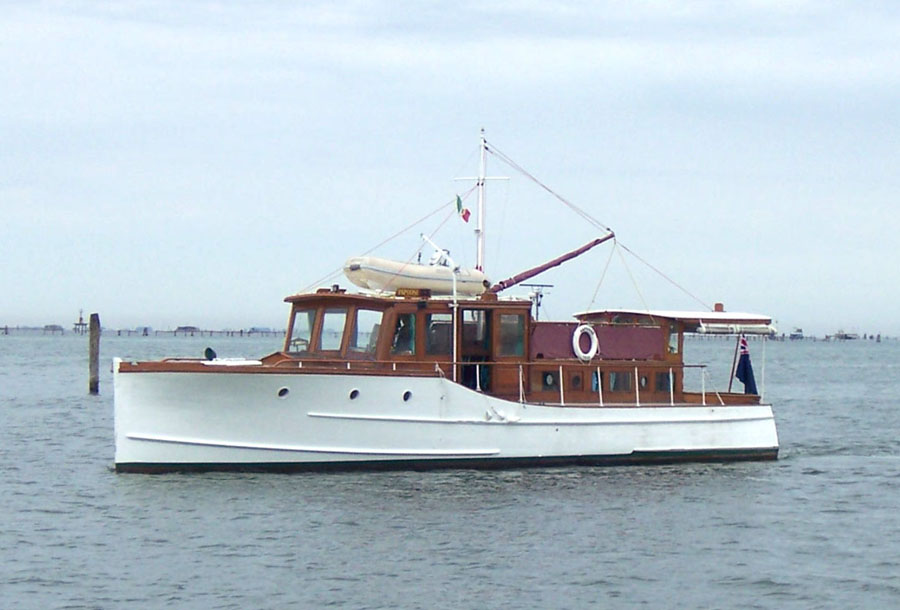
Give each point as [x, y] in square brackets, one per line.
[264, 331]
[147, 331]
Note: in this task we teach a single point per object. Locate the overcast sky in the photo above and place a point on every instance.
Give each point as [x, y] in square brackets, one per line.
[169, 163]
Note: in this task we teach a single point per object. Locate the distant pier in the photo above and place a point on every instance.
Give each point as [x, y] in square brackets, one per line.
[181, 331]
[193, 331]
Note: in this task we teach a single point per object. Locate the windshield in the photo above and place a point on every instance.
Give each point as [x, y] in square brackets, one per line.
[302, 330]
[333, 329]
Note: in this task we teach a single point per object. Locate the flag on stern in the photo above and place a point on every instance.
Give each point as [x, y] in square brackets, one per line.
[744, 370]
[463, 212]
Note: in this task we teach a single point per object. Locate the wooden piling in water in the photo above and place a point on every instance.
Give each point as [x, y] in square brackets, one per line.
[94, 355]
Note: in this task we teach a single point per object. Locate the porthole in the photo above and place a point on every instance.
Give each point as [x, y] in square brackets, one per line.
[283, 392]
[576, 382]
[407, 395]
[354, 394]
[645, 381]
[549, 380]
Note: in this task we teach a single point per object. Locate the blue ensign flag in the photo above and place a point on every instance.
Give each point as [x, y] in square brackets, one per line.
[744, 370]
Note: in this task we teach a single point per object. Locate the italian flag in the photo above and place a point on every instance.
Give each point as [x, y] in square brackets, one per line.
[464, 213]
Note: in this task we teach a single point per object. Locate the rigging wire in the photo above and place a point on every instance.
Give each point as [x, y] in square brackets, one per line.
[489, 147]
[603, 274]
[468, 162]
[590, 219]
[416, 251]
[596, 223]
[501, 254]
[665, 277]
[336, 272]
[633, 281]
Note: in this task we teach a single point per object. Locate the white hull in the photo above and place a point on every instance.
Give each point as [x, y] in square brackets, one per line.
[181, 420]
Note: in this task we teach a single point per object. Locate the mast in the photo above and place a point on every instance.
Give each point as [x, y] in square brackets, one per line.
[479, 231]
[480, 181]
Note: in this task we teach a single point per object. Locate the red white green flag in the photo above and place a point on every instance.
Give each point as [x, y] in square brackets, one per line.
[464, 213]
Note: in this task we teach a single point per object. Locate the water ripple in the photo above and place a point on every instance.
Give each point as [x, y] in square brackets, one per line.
[815, 529]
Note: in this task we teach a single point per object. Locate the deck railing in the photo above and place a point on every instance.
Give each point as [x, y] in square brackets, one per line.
[477, 375]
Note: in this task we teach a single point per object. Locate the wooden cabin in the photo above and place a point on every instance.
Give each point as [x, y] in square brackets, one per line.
[625, 357]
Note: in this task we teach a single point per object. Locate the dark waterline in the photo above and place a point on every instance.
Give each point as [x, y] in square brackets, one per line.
[817, 528]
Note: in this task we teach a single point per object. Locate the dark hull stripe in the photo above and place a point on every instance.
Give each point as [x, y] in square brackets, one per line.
[645, 457]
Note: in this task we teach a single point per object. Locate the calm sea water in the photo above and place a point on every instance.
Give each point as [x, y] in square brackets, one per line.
[818, 528]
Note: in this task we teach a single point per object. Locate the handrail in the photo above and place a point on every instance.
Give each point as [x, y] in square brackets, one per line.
[562, 384]
[671, 387]
[569, 364]
[600, 386]
[637, 387]
[519, 383]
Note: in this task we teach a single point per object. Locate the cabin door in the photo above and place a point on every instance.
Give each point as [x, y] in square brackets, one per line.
[508, 378]
[475, 349]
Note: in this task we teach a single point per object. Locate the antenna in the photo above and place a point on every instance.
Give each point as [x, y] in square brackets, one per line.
[536, 296]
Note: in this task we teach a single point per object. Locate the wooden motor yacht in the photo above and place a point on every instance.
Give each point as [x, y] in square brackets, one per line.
[436, 377]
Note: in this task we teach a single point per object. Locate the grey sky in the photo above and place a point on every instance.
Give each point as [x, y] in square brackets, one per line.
[171, 163]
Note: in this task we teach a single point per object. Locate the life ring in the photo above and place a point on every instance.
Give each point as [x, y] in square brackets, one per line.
[576, 342]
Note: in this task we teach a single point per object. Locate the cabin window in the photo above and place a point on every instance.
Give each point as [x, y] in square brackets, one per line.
[475, 329]
[673, 339]
[620, 381]
[663, 382]
[365, 331]
[438, 334]
[645, 381]
[302, 330]
[404, 341]
[512, 334]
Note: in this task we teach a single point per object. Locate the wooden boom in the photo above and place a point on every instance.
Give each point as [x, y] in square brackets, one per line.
[521, 277]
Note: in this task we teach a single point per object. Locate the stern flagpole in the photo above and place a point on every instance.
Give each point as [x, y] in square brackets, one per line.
[734, 363]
